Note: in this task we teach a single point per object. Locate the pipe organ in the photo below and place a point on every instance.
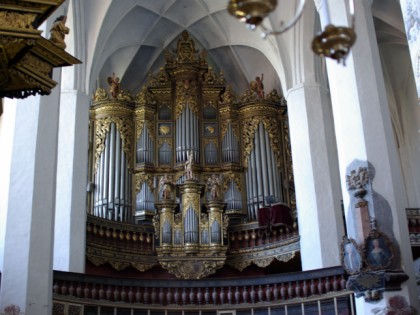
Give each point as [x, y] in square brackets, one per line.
[188, 108]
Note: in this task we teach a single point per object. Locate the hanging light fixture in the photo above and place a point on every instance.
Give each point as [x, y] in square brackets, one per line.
[253, 12]
[335, 41]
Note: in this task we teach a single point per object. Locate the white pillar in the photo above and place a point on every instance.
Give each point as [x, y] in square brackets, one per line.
[70, 218]
[365, 137]
[28, 249]
[7, 123]
[316, 177]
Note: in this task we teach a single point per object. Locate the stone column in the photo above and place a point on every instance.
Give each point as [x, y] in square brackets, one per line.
[315, 168]
[70, 219]
[28, 248]
[365, 139]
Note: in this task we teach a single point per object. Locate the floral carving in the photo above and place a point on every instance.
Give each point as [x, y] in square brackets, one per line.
[357, 181]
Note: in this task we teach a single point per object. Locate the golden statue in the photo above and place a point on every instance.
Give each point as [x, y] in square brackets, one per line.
[188, 166]
[166, 184]
[58, 31]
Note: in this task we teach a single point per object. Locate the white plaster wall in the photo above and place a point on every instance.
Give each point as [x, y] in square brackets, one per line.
[7, 122]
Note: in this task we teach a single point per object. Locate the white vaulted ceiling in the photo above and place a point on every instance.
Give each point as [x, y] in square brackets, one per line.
[129, 36]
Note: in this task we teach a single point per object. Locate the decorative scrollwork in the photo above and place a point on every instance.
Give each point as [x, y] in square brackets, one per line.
[250, 125]
[228, 177]
[139, 128]
[272, 128]
[100, 95]
[144, 97]
[186, 49]
[144, 178]
[357, 181]
[228, 97]
[124, 126]
[186, 95]
[16, 20]
[193, 269]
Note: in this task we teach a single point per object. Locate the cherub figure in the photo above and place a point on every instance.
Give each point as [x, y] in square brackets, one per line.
[213, 186]
[257, 86]
[58, 31]
[188, 166]
[114, 83]
[165, 185]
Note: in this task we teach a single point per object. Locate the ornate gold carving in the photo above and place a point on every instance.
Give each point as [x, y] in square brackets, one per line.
[164, 129]
[178, 221]
[186, 95]
[229, 176]
[144, 178]
[144, 97]
[168, 141]
[272, 128]
[228, 97]
[208, 141]
[38, 65]
[124, 126]
[204, 222]
[142, 266]
[248, 134]
[286, 257]
[262, 263]
[250, 125]
[225, 225]
[192, 269]
[186, 49]
[190, 200]
[118, 265]
[125, 96]
[274, 96]
[139, 128]
[9, 19]
[100, 95]
[210, 77]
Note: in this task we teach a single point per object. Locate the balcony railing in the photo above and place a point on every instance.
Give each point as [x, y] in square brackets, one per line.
[312, 290]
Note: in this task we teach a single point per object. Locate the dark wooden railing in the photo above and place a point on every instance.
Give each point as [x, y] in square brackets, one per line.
[206, 294]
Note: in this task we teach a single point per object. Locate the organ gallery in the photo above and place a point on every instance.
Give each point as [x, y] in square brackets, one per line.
[188, 160]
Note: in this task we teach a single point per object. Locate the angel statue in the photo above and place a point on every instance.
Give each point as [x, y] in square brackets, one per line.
[189, 165]
[257, 86]
[58, 31]
[213, 186]
[165, 185]
[114, 85]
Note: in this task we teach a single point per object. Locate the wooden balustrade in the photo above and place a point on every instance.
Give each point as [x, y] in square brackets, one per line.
[264, 289]
[251, 235]
[104, 232]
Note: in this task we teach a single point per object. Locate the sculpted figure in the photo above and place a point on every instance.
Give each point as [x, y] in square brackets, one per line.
[165, 185]
[257, 86]
[58, 31]
[114, 85]
[213, 186]
[188, 166]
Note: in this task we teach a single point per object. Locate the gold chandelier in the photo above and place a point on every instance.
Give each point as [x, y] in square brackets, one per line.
[334, 42]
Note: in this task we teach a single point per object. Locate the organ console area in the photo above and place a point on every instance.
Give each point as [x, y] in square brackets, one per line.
[191, 163]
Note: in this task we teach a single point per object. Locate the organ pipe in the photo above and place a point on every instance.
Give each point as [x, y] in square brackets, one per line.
[248, 142]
